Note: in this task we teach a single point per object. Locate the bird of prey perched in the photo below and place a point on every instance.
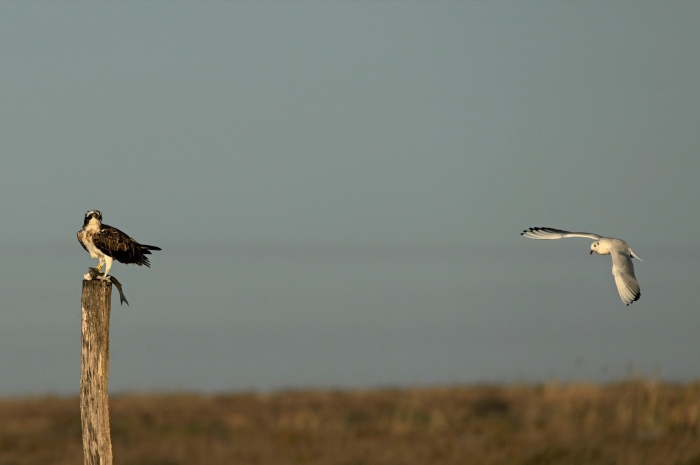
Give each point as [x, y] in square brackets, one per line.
[622, 254]
[107, 244]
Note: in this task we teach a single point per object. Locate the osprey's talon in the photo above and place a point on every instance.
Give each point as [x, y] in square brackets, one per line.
[99, 267]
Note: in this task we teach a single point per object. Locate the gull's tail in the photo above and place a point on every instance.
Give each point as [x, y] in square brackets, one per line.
[635, 255]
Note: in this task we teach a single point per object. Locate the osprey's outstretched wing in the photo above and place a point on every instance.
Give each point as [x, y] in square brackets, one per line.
[551, 233]
[118, 245]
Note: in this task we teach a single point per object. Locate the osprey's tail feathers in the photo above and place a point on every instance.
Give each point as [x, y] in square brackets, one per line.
[146, 249]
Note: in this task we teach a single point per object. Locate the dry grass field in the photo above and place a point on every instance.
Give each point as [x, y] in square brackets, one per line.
[634, 422]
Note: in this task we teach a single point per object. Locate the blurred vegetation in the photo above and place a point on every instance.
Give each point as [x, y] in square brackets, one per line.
[633, 422]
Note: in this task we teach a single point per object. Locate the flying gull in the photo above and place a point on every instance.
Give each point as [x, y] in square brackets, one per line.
[622, 255]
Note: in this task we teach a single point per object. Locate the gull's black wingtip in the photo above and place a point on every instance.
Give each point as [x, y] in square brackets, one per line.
[636, 298]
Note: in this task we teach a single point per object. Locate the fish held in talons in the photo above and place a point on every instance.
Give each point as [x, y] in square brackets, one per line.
[93, 273]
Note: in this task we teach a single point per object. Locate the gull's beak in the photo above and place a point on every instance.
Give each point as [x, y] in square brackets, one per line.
[591, 252]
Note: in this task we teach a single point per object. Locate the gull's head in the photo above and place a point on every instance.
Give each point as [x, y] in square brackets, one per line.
[92, 215]
[599, 248]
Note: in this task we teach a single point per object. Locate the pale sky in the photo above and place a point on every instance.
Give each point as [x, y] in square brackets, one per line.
[355, 126]
[350, 122]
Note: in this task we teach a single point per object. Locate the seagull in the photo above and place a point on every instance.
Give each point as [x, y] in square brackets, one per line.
[622, 255]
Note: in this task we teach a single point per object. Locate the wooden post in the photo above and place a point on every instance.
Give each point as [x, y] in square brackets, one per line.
[94, 372]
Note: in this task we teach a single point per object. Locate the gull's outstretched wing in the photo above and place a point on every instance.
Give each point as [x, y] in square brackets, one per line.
[626, 281]
[551, 233]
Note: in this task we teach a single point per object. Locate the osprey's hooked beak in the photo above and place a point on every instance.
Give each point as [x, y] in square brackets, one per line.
[591, 252]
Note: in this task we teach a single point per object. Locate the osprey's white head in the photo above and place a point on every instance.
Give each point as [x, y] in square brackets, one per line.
[91, 215]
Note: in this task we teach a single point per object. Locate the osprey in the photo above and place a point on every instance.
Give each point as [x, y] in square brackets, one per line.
[108, 244]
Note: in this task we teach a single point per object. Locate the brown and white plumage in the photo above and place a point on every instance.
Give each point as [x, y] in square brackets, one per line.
[622, 254]
[107, 243]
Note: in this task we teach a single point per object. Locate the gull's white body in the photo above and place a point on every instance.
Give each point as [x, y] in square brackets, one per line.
[622, 255]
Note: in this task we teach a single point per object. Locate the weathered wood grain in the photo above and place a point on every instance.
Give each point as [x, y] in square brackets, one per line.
[94, 373]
